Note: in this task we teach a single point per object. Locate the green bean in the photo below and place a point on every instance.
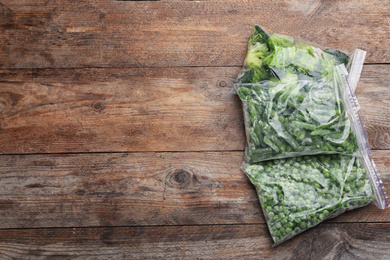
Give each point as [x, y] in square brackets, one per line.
[254, 137]
[320, 132]
[303, 125]
[290, 140]
[298, 116]
[243, 92]
[271, 144]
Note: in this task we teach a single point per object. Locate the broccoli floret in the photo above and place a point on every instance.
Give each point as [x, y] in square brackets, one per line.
[280, 40]
[245, 76]
[256, 54]
[302, 60]
[254, 61]
[253, 76]
[259, 35]
[260, 74]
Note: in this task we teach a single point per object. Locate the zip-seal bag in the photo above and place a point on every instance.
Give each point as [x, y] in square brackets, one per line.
[301, 192]
[290, 99]
[352, 107]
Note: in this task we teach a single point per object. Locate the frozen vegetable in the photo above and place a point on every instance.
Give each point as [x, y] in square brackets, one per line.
[296, 118]
[291, 99]
[299, 193]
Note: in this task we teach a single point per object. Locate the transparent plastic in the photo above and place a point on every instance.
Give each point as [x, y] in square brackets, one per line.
[355, 67]
[307, 152]
[352, 107]
[299, 193]
[292, 106]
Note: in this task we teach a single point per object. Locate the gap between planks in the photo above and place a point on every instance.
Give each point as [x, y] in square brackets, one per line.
[146, 67]
[328, 221]
[131, 152]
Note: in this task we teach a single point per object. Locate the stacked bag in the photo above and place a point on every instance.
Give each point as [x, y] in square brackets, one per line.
[307, 153]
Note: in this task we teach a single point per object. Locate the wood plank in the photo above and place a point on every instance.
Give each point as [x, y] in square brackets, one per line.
[138, 189]
[89, 110]
[327, 241]
[162, 109]
[63, 34]
[373, 94]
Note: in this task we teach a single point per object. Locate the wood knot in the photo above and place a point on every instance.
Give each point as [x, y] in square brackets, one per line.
[222, 84]
[179, 178]
[97, 106]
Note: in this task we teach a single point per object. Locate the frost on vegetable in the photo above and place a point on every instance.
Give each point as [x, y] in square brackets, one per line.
[299, 193]
[268, 53]
[302, 131]
[294, 118]
[291, 99]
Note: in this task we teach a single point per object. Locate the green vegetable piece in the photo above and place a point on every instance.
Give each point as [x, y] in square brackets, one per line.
[259, 35]
[290, 140]
[306, 126]
[243, 92]
[271, 144]
[305, 62]
[246, 76]
[252, 112]
[255, 55]
[259, 154]
[254, 138]
[299, 134]
[280, 40]
[307, 141]
[340, 57]
[320, 132]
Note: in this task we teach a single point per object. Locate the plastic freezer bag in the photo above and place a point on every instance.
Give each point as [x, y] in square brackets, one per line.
[275, 56]
[352, 105]
[291, 100]
[294, 119]
[299, 193]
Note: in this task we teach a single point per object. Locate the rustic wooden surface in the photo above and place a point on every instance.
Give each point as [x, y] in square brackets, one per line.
[120, 136]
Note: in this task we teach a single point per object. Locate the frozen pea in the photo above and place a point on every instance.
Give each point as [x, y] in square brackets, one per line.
[294, 204]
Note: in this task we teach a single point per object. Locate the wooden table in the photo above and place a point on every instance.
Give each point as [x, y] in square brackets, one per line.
[121, 137]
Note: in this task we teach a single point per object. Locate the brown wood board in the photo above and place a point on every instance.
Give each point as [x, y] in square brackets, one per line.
[121, 136]
[69, 34]
[144, 109]
[138, 189]
[327, 241]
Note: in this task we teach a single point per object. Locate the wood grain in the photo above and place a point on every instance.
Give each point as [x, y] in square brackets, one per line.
[90, 110]
[138, 189]
[373, 94]
[161, 109]
[327, 241]
[82, 83]
[98, 33]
